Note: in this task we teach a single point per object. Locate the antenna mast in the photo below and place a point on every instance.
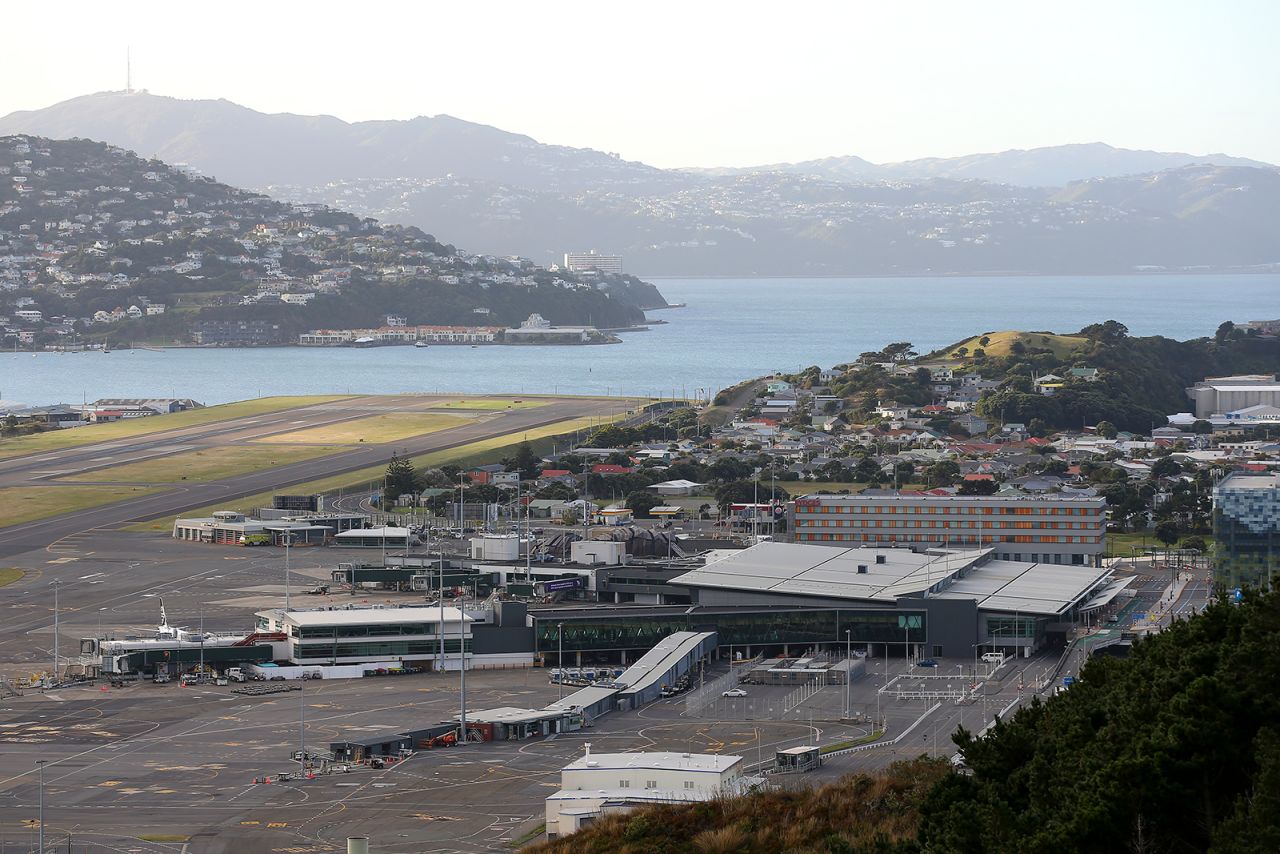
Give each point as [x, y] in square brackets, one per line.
[128, 71]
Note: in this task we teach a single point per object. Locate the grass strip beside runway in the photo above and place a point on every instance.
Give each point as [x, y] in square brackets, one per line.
[472, 453]
[29, 503]
[207, 464]
[487, 403]
[376, 429]
[56, 440]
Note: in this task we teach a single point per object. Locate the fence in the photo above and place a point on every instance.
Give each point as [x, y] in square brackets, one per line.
[699, 700]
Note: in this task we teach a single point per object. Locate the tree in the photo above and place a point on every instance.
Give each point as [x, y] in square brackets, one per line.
[729, 469]
[736, 492]
[1168, 532]
[942, 473]
[985, 340]
[400, 478]
[1106, 430]
[641, 502]
[1165, 467]
[557, 491]
[526, 462]
[1173, 749]
[898, 351]
[867, 470]
[1196, 543]
[1201, 427]
[978, 487]
[1224, 332]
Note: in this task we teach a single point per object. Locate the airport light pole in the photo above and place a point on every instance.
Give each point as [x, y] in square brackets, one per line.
[462, 669]
[56, 585]
[40, 818]
[848, 669]
[560, 661]
[440, 628]
[288, 541]
[302, 723]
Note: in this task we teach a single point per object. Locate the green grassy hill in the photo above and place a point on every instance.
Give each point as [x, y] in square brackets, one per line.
[1001, 343]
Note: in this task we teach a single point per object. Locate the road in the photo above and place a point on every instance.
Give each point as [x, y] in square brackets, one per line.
[174, 498]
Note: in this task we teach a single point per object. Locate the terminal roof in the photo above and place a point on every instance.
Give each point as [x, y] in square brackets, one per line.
[798, 569]
[807, 570]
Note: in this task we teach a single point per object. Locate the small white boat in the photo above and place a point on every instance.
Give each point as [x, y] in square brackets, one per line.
[421, 345]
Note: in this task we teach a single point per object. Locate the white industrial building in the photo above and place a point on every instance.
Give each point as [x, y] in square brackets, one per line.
[577, 262]
[600, 783]
[1217, 395]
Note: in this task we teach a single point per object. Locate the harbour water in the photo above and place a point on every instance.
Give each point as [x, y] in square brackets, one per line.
[730, 330]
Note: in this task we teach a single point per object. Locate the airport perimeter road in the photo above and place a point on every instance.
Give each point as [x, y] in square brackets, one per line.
[15, 539]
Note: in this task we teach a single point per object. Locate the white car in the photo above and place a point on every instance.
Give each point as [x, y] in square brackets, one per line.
[734, 692]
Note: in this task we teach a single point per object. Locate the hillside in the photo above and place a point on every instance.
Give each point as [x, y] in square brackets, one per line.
[110, 246]
[500, 193]
[1173, 749]
[785, 225]
[859, 813]
[1139, 381]
[1001, 344]
[251, 149]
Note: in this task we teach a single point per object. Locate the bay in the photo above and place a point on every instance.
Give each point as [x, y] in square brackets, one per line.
[731, 329]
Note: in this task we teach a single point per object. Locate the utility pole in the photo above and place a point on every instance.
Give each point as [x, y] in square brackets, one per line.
[560, 662]
[40, 762]
[462, 669]
[848, 669]
[440, 628]
[56, 679]
[288, 541]
[302, 723]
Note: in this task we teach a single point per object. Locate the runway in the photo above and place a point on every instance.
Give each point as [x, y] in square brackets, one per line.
[44, 469]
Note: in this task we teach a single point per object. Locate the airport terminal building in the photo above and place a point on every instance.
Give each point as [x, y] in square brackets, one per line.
[783, 598]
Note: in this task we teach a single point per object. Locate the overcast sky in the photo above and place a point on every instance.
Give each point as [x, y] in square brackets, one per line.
[698, 83]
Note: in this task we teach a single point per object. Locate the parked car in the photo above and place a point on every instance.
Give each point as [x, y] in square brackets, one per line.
[927, 662]
[734, 692]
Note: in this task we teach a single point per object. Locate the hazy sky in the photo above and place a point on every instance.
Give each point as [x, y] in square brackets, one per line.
[698, 83]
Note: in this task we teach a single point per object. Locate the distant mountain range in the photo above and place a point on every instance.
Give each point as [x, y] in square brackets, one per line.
[1054, 166]
[1066, 209]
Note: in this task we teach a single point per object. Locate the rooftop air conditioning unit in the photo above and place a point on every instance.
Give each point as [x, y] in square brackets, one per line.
[880, 558]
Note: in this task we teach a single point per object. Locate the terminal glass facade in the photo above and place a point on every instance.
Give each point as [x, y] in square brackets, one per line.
[385, 649]
[759, 628]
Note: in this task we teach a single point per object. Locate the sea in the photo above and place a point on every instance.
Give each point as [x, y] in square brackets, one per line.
[728, 330]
